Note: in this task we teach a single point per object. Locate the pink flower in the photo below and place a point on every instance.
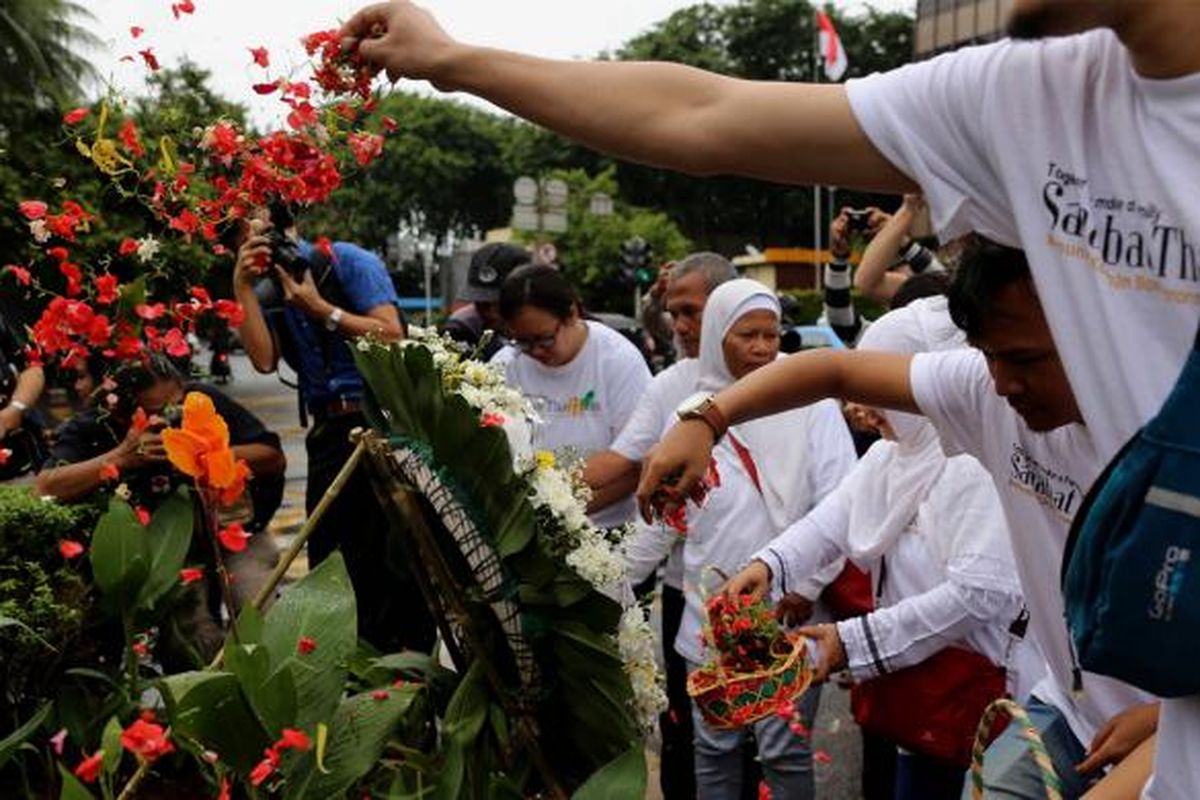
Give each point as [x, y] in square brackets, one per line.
[143, 515]
[32, 209]
[58, 740]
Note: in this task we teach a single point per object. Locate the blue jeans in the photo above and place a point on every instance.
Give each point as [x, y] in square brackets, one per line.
[1009, 769]
[786, 758]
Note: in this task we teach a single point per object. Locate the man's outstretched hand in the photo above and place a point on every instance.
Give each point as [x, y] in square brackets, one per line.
[680, 460]
[399, 37]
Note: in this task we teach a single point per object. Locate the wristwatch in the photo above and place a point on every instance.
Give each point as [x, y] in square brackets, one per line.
[703, 407]
[334, 319]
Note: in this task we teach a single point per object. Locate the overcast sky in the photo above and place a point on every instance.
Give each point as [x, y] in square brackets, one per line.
[217, 36]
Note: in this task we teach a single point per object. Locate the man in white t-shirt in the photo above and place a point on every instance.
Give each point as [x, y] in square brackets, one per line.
[1083, 150]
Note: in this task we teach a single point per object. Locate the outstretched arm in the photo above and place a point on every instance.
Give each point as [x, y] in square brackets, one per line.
[667, 115]
[872, 378]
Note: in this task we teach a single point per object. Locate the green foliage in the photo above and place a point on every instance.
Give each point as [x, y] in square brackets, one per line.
[44, 601]
[134, 566]
[624, 776]
[210, 708]
[40, 43]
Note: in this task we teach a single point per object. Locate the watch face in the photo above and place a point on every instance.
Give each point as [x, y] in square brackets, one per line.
[693, 404]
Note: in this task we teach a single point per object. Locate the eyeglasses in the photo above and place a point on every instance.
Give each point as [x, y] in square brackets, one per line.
[536, 342]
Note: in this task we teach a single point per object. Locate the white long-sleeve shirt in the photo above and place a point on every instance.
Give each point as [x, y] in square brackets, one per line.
[922, 607]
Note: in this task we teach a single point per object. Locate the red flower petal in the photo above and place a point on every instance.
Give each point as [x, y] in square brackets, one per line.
[293, 739]
[143, 515]
[70, 549]
[233, 538]
[109, 472]
[189, 575]
[260, 56]
[76, 116]
[89, 769]
[306, 645]
[32, 209]
[135, 31]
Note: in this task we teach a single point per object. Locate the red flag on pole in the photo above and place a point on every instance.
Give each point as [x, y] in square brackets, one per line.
[833, 55]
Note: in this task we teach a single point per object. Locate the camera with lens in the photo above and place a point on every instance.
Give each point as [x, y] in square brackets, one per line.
[285, 251]
[858, 219]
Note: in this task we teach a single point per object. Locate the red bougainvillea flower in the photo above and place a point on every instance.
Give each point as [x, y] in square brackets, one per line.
[89, 769]
[146, 740]
[130, 139]
[109, 472]
[175, 343]
[76, 116]
[150, 312]
[366, 147]
[32, 209]
[233, 537]
[150, 59]
[106, 289]
[20, 274]
[200, 447]
[189, 575]
[260, 56]
[293, 739]
[70, 549]
[306, 645]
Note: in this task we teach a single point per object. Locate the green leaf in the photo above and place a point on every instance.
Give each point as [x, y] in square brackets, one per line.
[72, 789]
[321, 606]
[272, 694]
[621, 778]
[210, 707]
[168, 537]
[468, 708]
[6, 622]
[11, 743]
[110, 743]
[249, 625]
[357, 735]
[120, 556]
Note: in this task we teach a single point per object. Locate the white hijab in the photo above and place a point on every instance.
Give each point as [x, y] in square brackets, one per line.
[914, 465]
[779, 443]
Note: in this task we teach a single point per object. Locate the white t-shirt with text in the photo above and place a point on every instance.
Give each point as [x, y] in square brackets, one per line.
[584, 404]
[1041, 479]
[1061, 148]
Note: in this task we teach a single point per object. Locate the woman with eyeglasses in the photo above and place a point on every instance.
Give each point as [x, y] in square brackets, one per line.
[583, 377]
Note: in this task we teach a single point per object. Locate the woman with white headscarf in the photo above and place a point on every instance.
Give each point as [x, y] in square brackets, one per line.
[931, 531]
[772, 471]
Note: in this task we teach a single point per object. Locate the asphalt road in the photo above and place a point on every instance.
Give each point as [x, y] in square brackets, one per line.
[835, 736]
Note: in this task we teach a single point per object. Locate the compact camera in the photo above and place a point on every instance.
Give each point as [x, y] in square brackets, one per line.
[858, 219]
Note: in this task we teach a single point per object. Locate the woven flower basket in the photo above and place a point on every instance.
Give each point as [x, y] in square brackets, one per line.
[985, 733]
[731, 700]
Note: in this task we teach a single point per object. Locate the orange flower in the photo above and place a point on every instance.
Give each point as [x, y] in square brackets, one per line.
[200, 449]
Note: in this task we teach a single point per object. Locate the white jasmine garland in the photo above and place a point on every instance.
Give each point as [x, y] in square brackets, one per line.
[639, 649]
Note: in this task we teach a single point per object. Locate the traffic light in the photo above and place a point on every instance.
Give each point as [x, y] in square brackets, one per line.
[635, 258]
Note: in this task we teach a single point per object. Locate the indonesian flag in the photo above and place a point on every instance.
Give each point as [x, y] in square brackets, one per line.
[833, 55]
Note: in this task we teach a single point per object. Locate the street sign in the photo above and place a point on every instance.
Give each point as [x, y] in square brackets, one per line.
[525, 190]
[554, 193]
[525, 218]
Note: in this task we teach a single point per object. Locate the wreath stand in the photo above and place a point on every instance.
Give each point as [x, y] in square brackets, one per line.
[408, 491]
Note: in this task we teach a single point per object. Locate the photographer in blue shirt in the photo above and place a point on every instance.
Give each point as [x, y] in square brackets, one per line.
[305, 304]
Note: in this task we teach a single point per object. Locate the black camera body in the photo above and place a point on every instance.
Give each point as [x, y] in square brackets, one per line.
[858, 219]
[285, 251]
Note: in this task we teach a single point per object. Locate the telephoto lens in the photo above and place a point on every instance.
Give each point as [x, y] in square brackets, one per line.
[918, 257]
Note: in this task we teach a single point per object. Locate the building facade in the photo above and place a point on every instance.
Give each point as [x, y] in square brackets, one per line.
[947, 24]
